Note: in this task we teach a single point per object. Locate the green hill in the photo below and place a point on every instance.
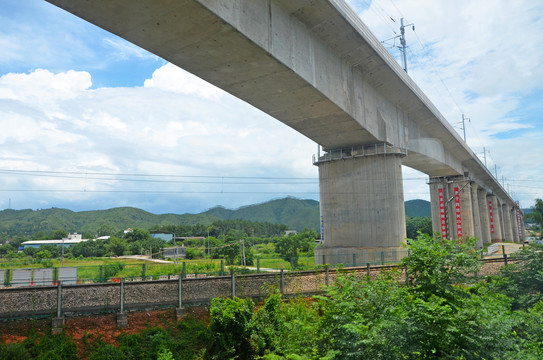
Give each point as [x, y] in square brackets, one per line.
[295, 213]
[417, 208]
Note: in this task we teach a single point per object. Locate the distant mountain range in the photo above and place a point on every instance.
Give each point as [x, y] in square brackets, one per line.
[295, 213]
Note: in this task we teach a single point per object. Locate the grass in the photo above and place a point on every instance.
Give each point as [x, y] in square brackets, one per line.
[89, 268]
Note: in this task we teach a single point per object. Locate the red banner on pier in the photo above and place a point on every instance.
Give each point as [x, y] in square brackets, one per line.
[491, 216]
[442, 213]
[458, 216]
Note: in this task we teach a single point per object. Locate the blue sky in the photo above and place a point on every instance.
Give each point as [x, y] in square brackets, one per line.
[90, 121]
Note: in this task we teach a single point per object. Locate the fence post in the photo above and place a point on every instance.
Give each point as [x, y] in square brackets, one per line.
[282, 282]
[354, 260]
[180, 310]
[184, 270]
[143, 271]
[505, 258]
[368, 269]
[122, 318]
[58, 321]
[323, 259]
[101, 274]
[257, 265]
[122, 295]
[326, 276]
[8, 278]
[222, 267]
[233, 282]
[382, 258]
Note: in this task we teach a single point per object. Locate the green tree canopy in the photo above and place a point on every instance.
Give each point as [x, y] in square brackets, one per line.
[289, 247]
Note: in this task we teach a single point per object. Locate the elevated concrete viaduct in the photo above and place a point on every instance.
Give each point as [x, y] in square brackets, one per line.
[314, 65]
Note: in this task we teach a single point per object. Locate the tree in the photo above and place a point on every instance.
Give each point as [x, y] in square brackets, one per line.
[106, 230]
[414, 225]
[117, 246]
[537, 213]
[230, 329]
[230, 248]
[43, 255]
[436, 264]
[289, 247]
[58, 234]
[522, 280]
[137, 235]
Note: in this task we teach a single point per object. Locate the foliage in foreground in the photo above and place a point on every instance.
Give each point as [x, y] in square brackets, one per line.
[444, 313]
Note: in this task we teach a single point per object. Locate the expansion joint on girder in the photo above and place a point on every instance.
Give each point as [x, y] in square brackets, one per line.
[359, 151]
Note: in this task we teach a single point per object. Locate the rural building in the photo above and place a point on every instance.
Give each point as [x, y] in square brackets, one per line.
[72, 239]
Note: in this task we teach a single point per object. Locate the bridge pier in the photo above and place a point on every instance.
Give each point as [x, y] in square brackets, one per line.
[514, 224]
[362, 205]
[507, 224]
[484, 216]
[495, 219]
[453, 211]
[477, 223]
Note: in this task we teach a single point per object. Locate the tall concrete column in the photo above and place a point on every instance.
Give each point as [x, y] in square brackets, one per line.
[508, 227]
[476, 215]
[465, 221]
[484, 215]
[495, 219]
[436, 184]
[514, 224]
[362, 204]
[502, 219]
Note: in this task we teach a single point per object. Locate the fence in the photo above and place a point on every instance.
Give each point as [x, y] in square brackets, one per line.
[115, 270]
[61, 299]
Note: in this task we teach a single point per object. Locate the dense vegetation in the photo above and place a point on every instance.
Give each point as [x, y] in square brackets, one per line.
[294, 213]
[445, 312]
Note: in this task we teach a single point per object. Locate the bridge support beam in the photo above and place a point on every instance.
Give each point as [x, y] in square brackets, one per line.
[477, 223]
[362, 205]
[484, 215]
[514, 224]
[463, 226]
[495, 219]
[452, 207]
[507, 224]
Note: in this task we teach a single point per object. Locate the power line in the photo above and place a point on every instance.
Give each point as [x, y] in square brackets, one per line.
[150, 175]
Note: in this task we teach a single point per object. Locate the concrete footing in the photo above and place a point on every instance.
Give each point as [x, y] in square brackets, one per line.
[122, 320]
[180, 313]
[57, 325]
[349, 256]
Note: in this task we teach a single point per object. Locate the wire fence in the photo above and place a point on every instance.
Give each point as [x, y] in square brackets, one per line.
[113, 270]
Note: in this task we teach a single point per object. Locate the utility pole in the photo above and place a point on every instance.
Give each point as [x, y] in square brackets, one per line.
[484, 154]
[403, 48]
[464, 125]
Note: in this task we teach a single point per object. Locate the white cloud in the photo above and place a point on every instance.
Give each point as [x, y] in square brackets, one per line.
[125, 50]
[42, 86]
[171, 78]
[153, 129]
